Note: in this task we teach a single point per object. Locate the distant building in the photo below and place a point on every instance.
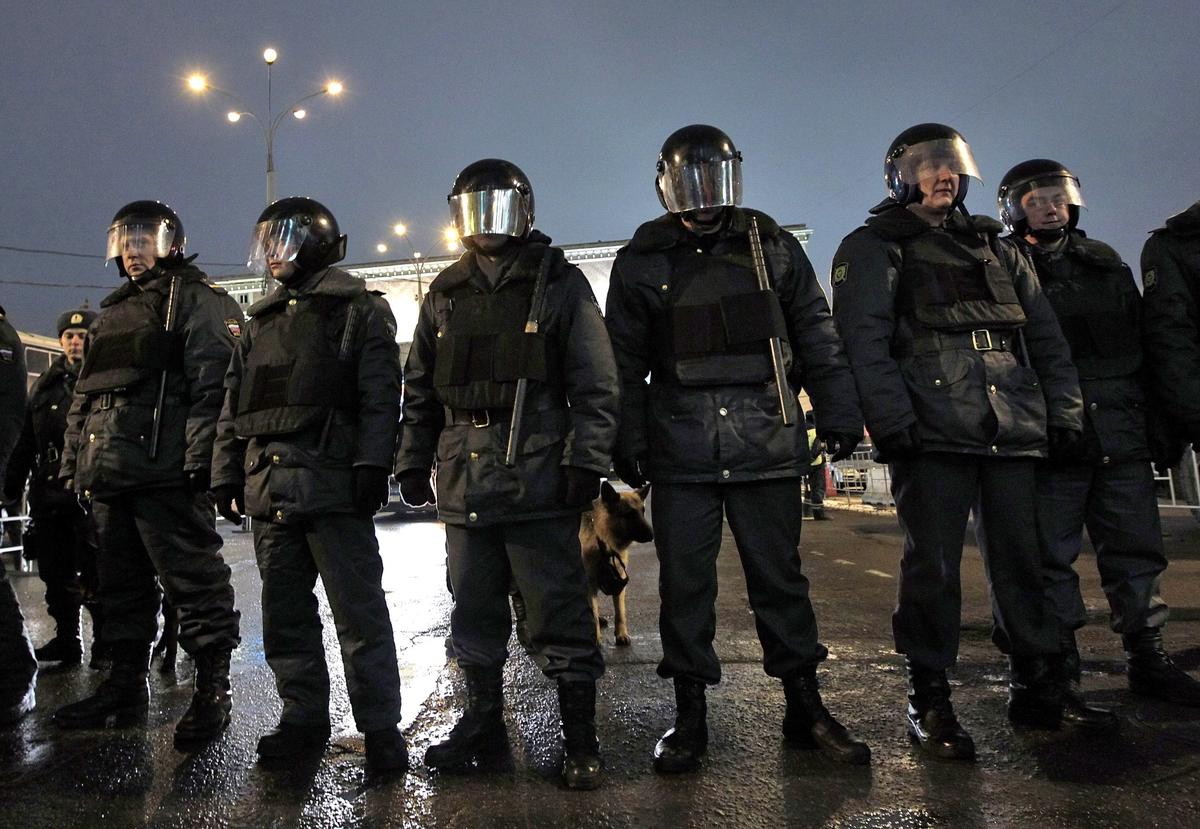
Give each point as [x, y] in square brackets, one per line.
[40, 352]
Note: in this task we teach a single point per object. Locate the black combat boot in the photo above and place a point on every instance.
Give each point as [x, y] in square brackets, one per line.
[1075, 709]
[582, 765]
[682, 747]
[101, 653]
[212, 701]
[480, 733]
[387, 753]
[931, 719]
[288, 740]
[808, 723]
[122, 697]
[1153, 674]
[66, 647]
[1034, 695]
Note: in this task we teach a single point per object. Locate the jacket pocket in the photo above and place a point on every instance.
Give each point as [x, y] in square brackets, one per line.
[946, 397]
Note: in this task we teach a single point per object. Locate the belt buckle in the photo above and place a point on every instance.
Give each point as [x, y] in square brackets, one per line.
[986, 339]
[106, 401]
[487, 418]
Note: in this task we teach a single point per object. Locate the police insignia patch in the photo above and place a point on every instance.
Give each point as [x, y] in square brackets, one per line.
[76, 319]
[6, 355]
[839, 273]
[1149, 279]
[235, 327]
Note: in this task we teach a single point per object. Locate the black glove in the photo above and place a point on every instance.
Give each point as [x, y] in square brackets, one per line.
[198, 481]
[579, 487]
[415, 488]
[1065, 444]
[231, 501]
[370, 488]
[838, 445]
[629, 469]
[898, 445]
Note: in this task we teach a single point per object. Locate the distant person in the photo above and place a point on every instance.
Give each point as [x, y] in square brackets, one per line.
[473, 348]
[686, 309]
[138, 445]
[304, 446]
[966, 382]
[815, 480]
[62, 537]
[18, 666]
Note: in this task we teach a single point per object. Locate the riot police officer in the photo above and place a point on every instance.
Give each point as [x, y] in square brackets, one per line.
[686, 308]
[510, 386]
[61, 537]
[1105, 483]
[304, 445]
[138, 444]
[964, 378]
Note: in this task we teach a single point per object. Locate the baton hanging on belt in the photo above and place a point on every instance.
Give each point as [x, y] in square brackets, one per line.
[160, 400]
[775, 343]
[531, 327]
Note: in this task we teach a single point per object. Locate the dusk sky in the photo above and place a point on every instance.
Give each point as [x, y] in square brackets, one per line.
[95, 113]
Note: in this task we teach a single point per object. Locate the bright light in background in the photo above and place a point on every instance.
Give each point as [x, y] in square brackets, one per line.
[299, 114]
[450, 234]
[270, 55]
[334, 87]
[197, 82]
[399, 229]
[381, 247]
[234, 117]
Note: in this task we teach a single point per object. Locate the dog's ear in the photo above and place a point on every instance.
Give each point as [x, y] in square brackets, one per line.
[609, 495]
[644, 492]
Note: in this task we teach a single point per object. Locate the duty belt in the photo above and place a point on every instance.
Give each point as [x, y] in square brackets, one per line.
[112, 399]
[981, 339]
[479, 418]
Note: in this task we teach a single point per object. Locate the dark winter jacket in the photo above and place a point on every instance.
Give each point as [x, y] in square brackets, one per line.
[981, 371]
[40, 447]
[681, 311]
[570, 416]
[312, 391]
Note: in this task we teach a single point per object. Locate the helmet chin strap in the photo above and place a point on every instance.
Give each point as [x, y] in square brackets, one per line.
[1050, 234]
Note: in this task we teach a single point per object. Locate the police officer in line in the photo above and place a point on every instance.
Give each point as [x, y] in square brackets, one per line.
[685, 308]
[965, 382]
[472, 347]
[1105, 482]
[815, 477]
[62, 537]
[17, 679]
[304, 446]
[138, 444]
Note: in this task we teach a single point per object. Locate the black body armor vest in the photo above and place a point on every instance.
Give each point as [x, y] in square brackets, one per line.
[130, 347]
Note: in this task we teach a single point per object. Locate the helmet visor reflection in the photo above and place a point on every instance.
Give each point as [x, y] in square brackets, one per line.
[928, 158]
[502, 212]
[699, 186]
[1028, 195]
[151, 235]
[276, 239]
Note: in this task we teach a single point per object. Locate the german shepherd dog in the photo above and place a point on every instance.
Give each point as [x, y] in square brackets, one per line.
[616, 520]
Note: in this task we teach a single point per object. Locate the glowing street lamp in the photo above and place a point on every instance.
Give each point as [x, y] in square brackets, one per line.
[450, 235]
[401, 229]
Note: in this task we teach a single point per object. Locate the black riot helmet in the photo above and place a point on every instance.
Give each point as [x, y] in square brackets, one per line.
[1054, 182]
[296, 229]
[698, 168]
[923, 150]
[491, 197]
[145, 222]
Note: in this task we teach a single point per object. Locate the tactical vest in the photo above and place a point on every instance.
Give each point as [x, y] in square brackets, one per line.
[302, 365]
[1097, 306]
[130, 346]
[483, 350]
[718, 322]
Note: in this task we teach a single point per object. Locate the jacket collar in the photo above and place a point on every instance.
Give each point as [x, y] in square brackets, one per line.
[333, 282]
[667, 230]
[466, 270]
[1186, 223]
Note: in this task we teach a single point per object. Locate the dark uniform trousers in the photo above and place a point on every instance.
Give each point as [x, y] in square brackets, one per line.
[816, 489]
[17, 664]
[765, 518]
[542, 557]
[1119, 507]
[163, 535]
[935, 494]
[66, 557]
[342, 549]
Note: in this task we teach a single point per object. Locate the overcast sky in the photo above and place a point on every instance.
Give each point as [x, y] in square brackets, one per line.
[580, 95]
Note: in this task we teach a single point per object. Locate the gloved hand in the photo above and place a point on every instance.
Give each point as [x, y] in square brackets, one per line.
[838, 445]
[579, 487]
[198, 481]
[1064, 443]
[900, 445]
[231, 501]
[629, 469]
[370, 488]
[415, 488]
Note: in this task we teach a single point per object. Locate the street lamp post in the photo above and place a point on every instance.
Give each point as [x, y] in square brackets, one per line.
[199, 84]
[401, 230]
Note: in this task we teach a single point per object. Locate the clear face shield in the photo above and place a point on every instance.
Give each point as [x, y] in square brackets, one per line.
[149, 236]
[502, 212]
[703, 185]
[1017, 201]
[276, 239]
[929, 158]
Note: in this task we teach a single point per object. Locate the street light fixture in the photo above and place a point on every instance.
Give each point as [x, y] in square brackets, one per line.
[400, 229]
[198, 83]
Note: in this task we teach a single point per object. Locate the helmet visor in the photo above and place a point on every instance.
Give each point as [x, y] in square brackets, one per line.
[928, 158]
[698, 186]
[502, 212]
[139, 234]
[1033, 193]
[279, 240]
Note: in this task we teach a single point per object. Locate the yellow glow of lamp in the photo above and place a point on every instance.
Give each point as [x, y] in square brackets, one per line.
[334, 87]
[197, 82]
[270, 55]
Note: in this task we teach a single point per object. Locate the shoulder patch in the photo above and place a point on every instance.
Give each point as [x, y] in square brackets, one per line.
[214, 287]
[235, 327]
[1149, 279]
[840, 272]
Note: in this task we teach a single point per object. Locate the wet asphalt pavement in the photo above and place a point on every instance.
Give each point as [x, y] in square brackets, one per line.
[1145, 776]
